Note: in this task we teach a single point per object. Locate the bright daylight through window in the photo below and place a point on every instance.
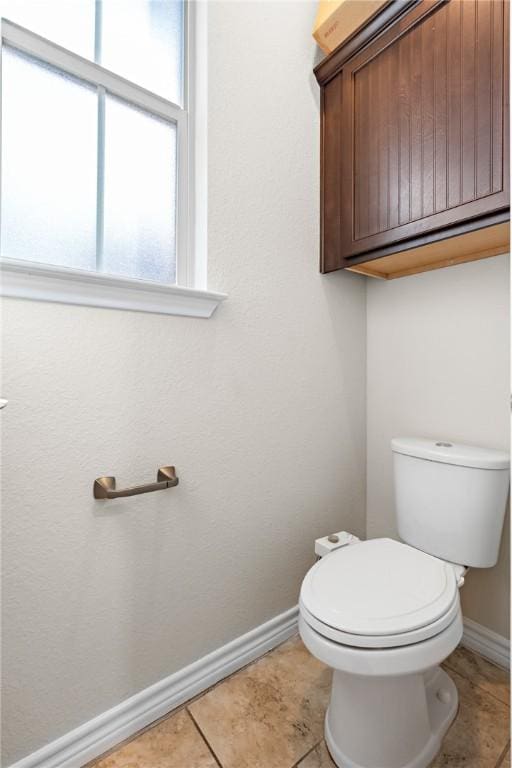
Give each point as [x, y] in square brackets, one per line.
[97, 151]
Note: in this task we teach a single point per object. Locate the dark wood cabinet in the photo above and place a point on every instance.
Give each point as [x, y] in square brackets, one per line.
[415, 136]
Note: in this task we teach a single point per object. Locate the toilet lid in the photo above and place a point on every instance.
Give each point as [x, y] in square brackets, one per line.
[379, 588]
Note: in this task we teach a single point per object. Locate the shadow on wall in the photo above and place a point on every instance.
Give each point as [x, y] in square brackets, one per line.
[346, 291]
[479, 599]
[318, 56]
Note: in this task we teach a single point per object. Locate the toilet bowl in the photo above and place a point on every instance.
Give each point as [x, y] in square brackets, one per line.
[385, 614]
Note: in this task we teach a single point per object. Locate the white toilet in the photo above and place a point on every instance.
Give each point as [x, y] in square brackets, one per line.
[385, 614]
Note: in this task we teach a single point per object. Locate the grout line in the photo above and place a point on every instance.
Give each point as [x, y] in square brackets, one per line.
[233, 674]
[447, 664]
[208, 745]
[185, 706]
[92, 763]
[483, 690]
[297, 764]
[503, 755]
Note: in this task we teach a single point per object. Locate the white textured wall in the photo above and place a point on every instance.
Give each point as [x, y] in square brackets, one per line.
[438, 366]
[261, 408]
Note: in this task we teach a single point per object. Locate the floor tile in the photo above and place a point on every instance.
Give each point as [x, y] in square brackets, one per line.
[174, 743]
[487, 676]
[480, 732]
[270, 714]
[318, 758]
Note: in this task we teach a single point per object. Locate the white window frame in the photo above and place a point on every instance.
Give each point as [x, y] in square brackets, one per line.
[189, 296]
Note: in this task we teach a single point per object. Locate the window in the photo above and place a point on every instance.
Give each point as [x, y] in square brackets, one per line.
[102, 134]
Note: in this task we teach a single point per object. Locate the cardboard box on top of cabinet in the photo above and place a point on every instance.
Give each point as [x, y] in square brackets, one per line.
[338, 19]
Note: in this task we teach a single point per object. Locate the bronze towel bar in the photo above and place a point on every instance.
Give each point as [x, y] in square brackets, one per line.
[105, 487]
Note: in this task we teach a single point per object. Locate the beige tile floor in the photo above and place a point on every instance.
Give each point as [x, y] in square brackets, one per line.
[270, 715]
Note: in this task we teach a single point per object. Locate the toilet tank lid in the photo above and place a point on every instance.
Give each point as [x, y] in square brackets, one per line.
[446, 452]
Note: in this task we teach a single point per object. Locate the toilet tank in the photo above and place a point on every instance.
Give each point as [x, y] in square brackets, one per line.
[451, 498]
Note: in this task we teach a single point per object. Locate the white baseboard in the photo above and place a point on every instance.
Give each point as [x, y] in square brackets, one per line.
[487, 643]
[103, 732]
[108, 729]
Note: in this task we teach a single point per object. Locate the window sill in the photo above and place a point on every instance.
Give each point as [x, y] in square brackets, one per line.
[39, 282]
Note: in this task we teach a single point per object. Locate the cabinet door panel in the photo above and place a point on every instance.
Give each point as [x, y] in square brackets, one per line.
[423, 123]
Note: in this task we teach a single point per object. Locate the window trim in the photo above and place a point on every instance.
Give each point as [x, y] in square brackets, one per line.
[40, 282]
[45, 282]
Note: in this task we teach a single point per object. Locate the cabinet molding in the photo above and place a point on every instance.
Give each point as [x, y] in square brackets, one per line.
[479, 244]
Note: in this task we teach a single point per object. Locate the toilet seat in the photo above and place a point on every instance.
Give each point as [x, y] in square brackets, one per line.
[382, 641]
[379, 594]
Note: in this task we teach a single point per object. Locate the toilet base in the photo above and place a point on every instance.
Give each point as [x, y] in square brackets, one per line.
[389, 722]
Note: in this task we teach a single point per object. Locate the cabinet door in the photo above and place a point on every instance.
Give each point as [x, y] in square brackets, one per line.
[424, 134]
